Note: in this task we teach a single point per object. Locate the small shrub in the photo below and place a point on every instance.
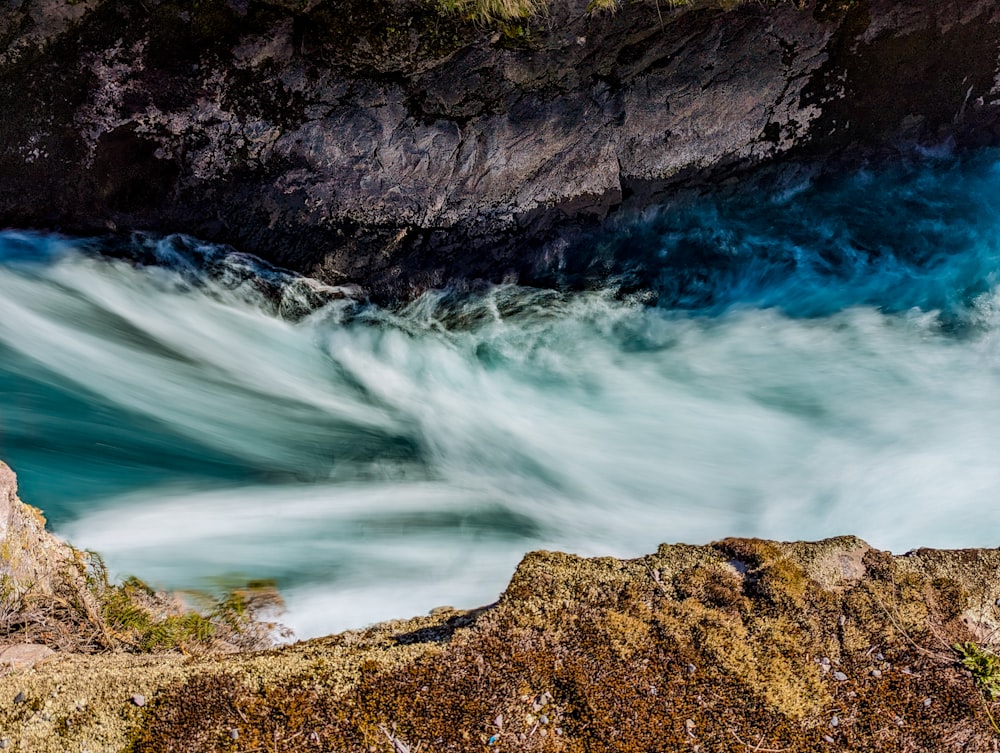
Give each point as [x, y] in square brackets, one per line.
[983, 664]
[492, 11]
[87, 612]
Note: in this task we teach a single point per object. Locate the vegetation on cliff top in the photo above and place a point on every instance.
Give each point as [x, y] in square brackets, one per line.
[491, 11]
[740, 645]
[81, 609]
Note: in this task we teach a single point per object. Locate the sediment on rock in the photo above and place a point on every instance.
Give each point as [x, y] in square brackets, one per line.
[384, 144]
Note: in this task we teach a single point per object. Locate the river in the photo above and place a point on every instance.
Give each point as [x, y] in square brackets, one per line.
[820, 361]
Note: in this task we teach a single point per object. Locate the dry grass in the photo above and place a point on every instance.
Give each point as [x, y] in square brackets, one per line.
[492, 11]
[508, 11]
[85, 612]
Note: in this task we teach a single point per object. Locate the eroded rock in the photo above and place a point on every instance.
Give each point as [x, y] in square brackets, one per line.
[808, 642]
[384, 144]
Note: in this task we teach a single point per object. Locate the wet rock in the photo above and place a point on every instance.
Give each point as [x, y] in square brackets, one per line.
[403, 161]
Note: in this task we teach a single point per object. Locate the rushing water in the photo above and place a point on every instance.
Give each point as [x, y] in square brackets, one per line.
[818, 362]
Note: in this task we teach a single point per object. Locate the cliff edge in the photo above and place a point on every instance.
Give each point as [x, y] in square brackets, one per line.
[740, 645]
[389, 144]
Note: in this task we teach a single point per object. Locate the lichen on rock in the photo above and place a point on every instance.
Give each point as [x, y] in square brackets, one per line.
[738, 645]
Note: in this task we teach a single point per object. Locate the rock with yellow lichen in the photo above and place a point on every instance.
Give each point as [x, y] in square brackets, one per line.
[30, 557]
[740, 645]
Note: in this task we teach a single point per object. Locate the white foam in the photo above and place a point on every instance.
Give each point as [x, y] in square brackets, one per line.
[442, 445]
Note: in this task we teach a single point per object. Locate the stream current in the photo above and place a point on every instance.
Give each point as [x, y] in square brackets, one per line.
[820, 361]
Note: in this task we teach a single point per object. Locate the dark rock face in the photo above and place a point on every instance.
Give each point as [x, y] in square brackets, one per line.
[373, 141]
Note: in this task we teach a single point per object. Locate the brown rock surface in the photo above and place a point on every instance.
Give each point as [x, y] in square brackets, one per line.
[739, 645]
[32, 560]
[24, 655]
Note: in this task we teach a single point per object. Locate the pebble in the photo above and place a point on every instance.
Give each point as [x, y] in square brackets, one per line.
[827, 739]
[4, 743]
[880, 657]
[691, 669]
[835, 722]
[543, 719]
[839, 676]
[138, 699]
[876, 673]
[20, 697]
[234, 734]
[927, 703]
[842, 621]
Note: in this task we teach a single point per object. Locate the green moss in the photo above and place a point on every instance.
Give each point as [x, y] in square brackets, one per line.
[667, 652]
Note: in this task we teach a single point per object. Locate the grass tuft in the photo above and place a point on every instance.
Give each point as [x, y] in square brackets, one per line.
[983, 664]
[87, 612]
[494, 11]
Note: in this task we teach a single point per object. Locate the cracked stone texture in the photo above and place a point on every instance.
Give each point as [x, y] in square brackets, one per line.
[379, 143]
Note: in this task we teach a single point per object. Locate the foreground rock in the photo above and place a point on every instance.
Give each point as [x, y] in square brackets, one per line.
[740, 645]
[382, 143]
[56, 597]
[32, 561]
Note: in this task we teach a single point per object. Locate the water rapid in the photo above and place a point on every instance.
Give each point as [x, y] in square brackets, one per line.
[821, 361]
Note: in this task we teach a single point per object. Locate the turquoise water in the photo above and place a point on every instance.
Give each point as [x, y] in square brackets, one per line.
[820, 361]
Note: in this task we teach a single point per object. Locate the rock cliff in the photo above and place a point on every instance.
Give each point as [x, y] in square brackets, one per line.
[740, 645]
[380, 142]
[31, 559]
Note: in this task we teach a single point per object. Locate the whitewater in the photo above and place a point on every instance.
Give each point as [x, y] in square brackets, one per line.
[818, 361]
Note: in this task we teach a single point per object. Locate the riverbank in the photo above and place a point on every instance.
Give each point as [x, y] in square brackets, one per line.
[389, 146]
[739, 645]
